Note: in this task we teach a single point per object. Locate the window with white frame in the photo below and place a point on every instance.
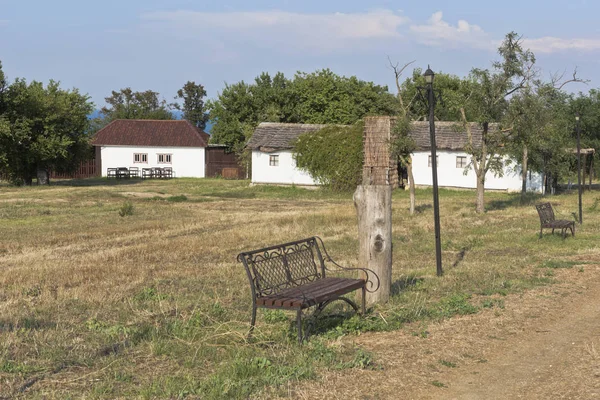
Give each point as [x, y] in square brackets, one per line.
[164, 158]
[437, 161]
[461, 161]
[274, 160]
[141, 158]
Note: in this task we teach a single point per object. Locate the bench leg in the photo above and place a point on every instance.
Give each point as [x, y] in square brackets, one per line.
[299, 323]
[364, 301]
[253, 321]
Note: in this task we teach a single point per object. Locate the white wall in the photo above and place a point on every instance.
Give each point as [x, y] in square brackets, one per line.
[450, 176]
[285, 173]
[187, 162]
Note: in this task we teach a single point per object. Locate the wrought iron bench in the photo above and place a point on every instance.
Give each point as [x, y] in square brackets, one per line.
[547, 220]
[292, 276]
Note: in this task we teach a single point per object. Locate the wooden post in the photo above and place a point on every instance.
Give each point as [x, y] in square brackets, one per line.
[591, 170]
[373, 202]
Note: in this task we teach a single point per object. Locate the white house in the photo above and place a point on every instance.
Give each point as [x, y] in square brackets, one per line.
[152, 143]
[272, 161]
[454, 170]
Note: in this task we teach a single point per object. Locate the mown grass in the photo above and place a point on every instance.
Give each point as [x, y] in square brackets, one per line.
[152, 304]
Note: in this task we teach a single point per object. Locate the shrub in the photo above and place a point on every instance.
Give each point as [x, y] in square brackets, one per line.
[333, 156]
[126, 209]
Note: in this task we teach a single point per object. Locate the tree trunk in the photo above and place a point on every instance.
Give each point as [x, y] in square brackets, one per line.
[374, 207]
[411, 185]
[480, 208]
[43, 177]
[524, 175]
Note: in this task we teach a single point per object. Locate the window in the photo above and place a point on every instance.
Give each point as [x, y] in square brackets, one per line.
[274, 160]
[140, 158]
[461, 161]
[437, 161]
[164, 158]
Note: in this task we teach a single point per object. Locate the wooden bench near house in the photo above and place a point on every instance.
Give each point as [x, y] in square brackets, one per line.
[293, 276]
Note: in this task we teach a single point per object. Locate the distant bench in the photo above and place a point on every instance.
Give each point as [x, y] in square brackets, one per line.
[292, 276]
[547, 220]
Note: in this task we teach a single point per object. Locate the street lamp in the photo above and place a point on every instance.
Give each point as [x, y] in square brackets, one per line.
[579, 185]
[429, 78]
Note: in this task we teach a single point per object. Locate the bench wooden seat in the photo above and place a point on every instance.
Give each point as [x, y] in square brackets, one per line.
[548, 220]
[292, 276]
[311, 294]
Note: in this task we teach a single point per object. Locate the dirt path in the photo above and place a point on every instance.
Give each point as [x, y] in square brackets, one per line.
[545, 344]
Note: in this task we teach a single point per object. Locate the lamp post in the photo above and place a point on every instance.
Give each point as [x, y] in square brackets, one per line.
[429, 77]
[579, 183]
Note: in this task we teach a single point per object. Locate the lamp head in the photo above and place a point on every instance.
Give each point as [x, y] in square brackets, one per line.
[429, 75]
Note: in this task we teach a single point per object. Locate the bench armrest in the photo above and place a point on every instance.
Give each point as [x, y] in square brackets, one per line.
[372, 279]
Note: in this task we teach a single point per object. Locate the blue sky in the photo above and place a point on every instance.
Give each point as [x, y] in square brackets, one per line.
[159, 45]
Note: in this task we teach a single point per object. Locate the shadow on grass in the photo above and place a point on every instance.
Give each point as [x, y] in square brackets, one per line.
[461, 256]
[421, 208]
[89, 182]
[404, 283]
[515, 200]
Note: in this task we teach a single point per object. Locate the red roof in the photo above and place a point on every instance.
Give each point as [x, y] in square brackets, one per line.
[150, 132]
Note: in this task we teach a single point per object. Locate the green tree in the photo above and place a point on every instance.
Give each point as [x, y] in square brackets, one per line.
[333, 155]
[193, 106]
[3, 87]
[487, 102]
[42, 128]
[127, 104]
[318, 97]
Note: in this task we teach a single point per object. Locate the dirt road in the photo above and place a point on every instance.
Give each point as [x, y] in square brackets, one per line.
[544, 344]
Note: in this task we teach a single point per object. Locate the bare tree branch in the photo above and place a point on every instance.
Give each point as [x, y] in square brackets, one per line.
[398, 73]
[575, 79]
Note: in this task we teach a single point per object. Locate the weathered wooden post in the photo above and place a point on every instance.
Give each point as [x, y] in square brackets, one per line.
[373, 202]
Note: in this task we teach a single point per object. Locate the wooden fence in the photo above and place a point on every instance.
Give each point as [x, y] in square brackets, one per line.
[87, 169]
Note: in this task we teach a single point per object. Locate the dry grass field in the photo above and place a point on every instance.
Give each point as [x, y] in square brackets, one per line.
[131, 289]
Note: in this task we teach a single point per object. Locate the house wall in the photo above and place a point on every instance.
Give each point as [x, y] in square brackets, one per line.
[187, 162]
[451, 176]
[285, 173]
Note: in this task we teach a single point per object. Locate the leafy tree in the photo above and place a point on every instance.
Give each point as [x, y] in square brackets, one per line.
[127, 104]
[193, 106]
[3, 87]
[332, 155]
[42, 128]
[318, 97]
[322, 97]
[487, 102]
[235, 115]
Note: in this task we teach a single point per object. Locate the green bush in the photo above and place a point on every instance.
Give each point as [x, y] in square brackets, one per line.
[126, 209]
[333, 156]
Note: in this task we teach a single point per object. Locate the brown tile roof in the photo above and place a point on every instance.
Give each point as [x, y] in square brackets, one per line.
[149, 132]
[270, 136]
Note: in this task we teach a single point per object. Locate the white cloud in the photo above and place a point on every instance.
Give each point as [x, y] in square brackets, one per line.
[438, 32]
[549, 44]
[318, 31]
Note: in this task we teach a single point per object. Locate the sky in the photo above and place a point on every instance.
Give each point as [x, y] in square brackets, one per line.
[98, 47]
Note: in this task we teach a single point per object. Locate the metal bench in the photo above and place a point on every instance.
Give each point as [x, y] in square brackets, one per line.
[547, 220]
[292, 276]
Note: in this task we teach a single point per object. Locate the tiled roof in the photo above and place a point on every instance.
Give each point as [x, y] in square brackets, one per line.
[278, 136]
[148, 132]
[448, 135]
[270, 136]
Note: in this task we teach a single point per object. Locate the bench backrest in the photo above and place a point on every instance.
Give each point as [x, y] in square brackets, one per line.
[545, 212]
[273, 269]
